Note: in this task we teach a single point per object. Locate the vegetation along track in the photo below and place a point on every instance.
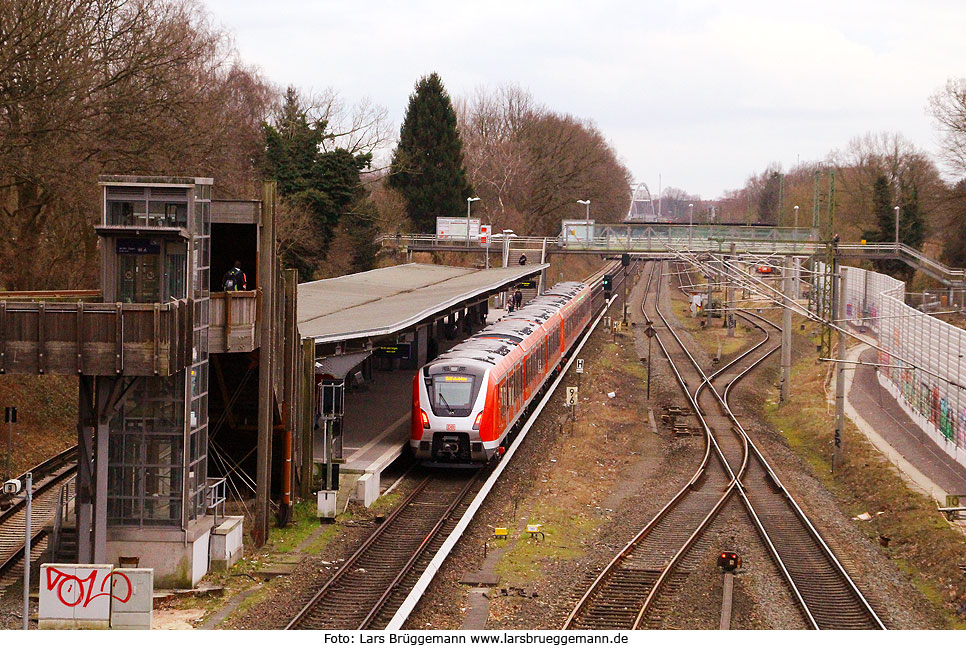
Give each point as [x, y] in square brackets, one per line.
[361, 593]
[634, 590]
[48, 479]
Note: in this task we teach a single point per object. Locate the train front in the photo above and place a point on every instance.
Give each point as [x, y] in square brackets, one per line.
[450, 424]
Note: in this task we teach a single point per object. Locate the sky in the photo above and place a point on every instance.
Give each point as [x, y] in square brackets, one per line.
[691, 94]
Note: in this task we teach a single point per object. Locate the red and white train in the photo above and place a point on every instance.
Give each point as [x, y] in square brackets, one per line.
[468, 399]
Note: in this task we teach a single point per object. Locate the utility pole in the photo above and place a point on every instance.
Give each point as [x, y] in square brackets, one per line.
[730, 298]
[266, 282]
[786, 376]
[839, 301]
[29, 496]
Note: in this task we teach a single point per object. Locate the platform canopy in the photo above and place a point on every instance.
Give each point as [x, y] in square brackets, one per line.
[385, 301]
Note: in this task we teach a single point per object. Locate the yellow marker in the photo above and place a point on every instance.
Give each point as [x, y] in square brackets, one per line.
[500, 532]
[533, 528]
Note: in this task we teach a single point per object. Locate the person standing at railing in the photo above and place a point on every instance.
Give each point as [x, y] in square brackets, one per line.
[234, 279]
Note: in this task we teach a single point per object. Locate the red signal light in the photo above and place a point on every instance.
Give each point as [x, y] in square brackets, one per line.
[425, 419]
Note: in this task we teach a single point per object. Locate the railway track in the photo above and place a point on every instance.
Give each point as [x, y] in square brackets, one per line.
[635, 589]
[826, 594]
[48, 478]
[361, 593]
[377, 579]
[617, 597]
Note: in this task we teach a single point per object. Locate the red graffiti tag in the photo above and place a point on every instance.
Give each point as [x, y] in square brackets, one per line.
[63, 584]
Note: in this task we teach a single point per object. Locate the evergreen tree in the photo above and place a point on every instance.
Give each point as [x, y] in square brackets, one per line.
[882, 209]
[427, 166]
[324, 184]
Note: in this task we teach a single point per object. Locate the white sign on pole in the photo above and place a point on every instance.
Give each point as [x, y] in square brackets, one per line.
[571, 395]
[580, 366]
[485, 234]
[454, 228]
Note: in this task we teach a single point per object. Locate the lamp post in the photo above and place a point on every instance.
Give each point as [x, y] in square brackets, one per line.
[586, 219]
[469, 201]
[897, 227]
[796, 216]
[690, 226]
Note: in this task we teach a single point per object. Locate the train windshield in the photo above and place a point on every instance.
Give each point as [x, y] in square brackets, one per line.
[453, 394]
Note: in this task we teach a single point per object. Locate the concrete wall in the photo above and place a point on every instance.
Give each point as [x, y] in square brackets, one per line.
[176, 564]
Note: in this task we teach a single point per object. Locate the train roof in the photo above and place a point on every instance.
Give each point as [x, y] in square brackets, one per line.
[496, 341]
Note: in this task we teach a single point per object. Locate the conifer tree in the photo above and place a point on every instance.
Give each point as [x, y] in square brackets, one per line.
[323, 184]
[427, 166]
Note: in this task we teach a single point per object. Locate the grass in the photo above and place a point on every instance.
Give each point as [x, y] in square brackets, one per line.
[569, 489]
[304, 521]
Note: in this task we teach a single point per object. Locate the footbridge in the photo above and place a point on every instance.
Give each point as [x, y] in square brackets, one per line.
[650, 240]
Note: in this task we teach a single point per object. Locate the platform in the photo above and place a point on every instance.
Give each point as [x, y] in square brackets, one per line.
[385, 301]
[375, 437]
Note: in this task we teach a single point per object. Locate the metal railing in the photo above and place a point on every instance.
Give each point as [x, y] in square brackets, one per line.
[65, 501]
[215, 496]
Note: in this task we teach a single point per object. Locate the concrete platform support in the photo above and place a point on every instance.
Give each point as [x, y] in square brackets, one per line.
[227, 539]
[179, 558]
[422, 345]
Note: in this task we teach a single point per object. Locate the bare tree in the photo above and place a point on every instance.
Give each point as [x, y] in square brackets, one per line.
[530, 165]
[948, 107]
[102, 86]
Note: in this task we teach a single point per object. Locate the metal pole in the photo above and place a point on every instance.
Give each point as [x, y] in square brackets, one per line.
[731, 296]
[786, 376]
[897, 228]
[26, 553]
[9, 443]
[690, 225]
[648, 367]
[468, 204]
[839, 301]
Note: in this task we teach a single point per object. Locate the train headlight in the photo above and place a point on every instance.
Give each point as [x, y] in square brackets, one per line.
[425, 418]
[476, 422]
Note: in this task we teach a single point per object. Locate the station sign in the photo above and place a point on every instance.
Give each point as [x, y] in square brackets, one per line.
[485, 234]
[526, 284]
[138, 247]
[580, 366]
[395, 351]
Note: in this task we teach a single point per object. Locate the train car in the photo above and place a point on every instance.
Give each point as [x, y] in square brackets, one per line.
[468, 399]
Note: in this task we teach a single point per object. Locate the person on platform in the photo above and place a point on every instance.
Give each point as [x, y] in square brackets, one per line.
[234, 279]
[517, 298]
